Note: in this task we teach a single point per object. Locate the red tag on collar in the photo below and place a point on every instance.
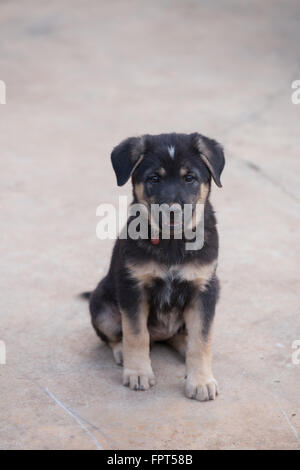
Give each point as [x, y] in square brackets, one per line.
[155, 241]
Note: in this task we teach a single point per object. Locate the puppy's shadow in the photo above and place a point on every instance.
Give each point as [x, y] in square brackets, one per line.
[101, 356]
[161, 349]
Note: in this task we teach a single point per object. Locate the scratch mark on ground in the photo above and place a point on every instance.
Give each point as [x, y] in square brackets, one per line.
[294, 430]
[64, 407]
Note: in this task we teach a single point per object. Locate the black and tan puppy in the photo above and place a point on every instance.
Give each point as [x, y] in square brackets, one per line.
[156, 289]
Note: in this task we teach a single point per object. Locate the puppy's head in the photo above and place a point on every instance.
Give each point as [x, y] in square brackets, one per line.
[170, 169]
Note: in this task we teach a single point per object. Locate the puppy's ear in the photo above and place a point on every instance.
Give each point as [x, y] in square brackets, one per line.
[212, 155]
[126, 156]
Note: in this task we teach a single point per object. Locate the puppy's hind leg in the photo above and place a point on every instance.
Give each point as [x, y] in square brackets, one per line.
[106, 320]
[108, 327]
[179, 342]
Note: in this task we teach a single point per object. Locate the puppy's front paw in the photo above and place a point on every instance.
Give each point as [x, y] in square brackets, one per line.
[203, 390]
[138, 380]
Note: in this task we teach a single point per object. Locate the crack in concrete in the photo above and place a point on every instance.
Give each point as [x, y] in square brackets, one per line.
[254, 167]
[273, 181]
[253, 117]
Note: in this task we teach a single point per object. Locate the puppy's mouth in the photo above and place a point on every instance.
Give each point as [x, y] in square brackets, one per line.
[171, 221]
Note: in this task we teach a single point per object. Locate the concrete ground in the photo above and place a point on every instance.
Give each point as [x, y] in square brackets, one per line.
[80, 77]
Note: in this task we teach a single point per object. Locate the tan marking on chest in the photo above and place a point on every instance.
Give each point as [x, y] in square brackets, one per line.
[145, 273]
[191, 272]
[199, 274]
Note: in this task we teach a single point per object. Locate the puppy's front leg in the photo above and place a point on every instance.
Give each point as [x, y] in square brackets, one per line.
[200, 382]
[137, 374]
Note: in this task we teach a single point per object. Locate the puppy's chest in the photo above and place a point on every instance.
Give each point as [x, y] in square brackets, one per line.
[168, 292]
[172, 286]
[167, 299]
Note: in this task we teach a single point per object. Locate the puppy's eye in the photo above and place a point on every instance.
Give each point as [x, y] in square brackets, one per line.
[189, 178]
[154, 179]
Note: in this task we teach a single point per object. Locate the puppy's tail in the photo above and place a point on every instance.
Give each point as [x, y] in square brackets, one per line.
[85, 295]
